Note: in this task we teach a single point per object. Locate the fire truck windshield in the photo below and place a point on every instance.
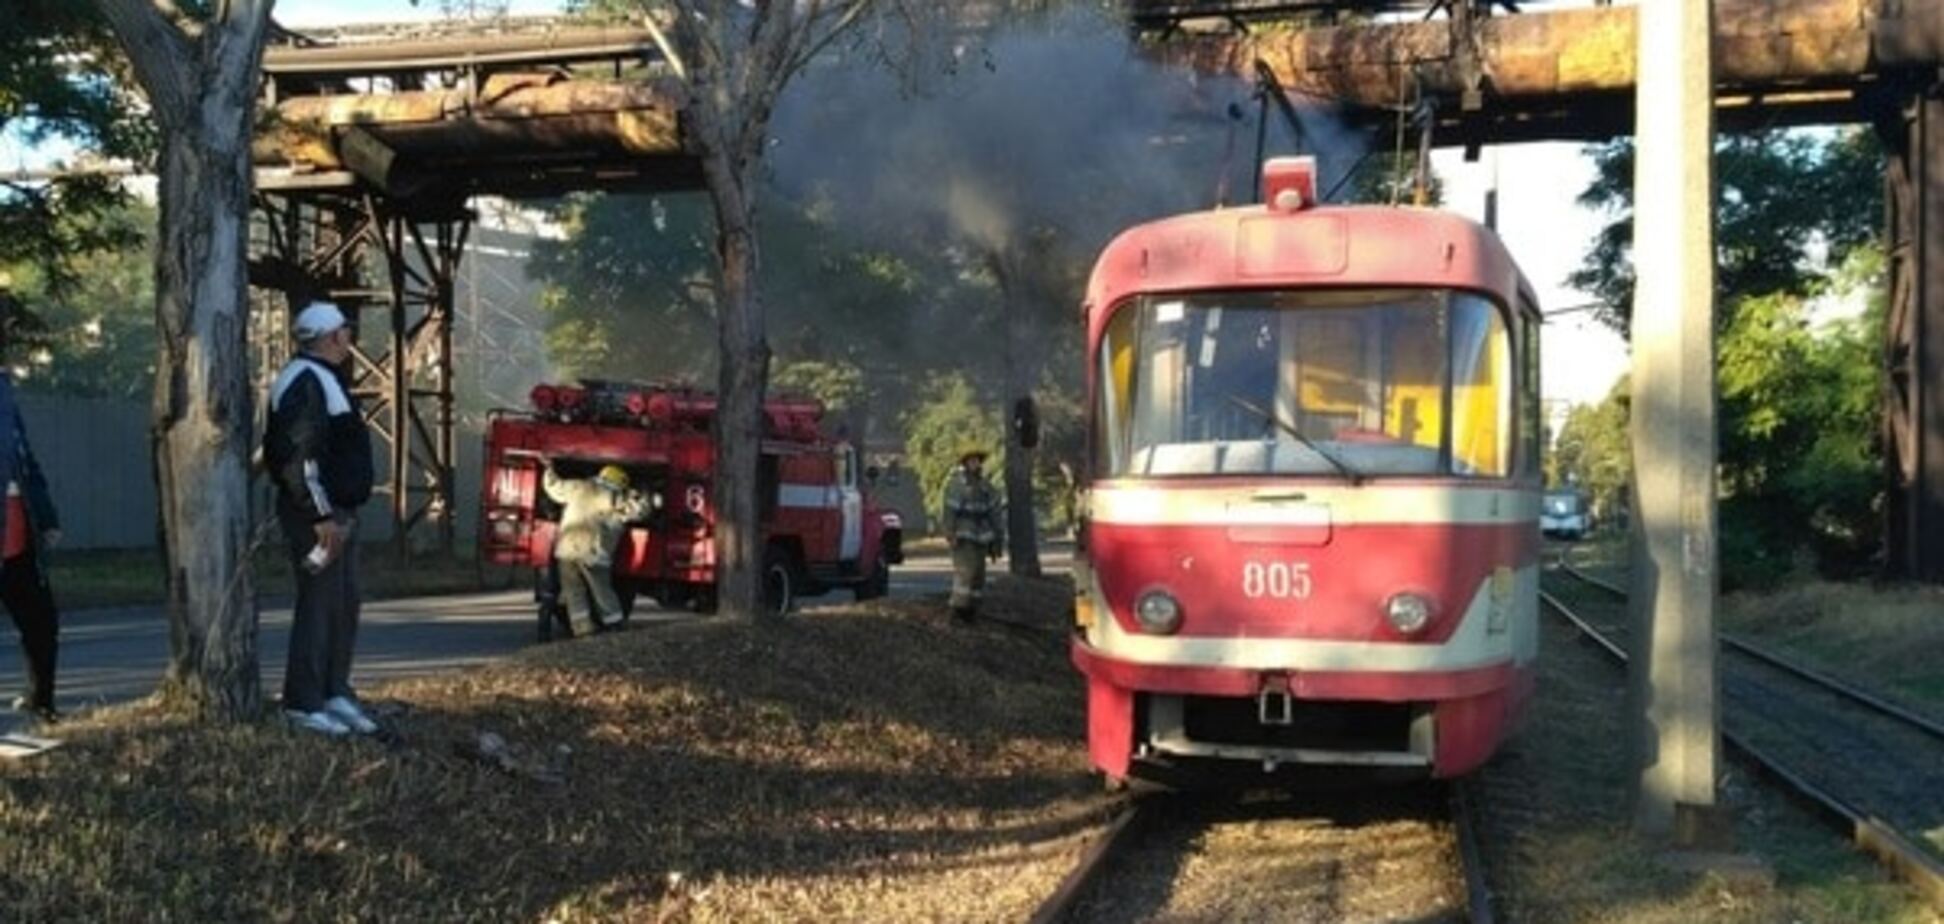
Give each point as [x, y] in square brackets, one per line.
[1325, 382]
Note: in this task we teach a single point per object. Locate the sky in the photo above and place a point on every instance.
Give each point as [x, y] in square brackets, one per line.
[1548, 232]
[302, 13]
[1541, 223]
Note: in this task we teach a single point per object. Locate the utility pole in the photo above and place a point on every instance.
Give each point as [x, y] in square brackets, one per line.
[1672, 689]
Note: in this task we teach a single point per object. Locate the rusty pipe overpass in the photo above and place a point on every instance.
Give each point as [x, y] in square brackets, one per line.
[371, 144]
[1568, 74]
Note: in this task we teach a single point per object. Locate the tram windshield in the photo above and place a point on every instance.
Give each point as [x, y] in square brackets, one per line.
[1562, 504]
[1327, 382]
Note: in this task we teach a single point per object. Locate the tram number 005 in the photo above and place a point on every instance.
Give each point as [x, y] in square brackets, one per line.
[1278, 580]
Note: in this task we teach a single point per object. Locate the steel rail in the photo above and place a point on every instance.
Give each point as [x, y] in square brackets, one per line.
[1870, 835]
[1064, 899]
[1842, 688]
[1769, 656]
[1613, 651]
[1478, 892]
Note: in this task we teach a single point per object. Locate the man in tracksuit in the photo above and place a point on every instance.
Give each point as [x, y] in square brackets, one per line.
[319, 453]
[28, 526]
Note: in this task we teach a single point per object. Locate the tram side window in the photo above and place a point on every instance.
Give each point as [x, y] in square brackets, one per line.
[1530, 398]
[1481, 390]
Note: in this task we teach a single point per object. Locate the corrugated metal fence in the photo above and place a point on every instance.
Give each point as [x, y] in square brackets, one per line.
[96, 456]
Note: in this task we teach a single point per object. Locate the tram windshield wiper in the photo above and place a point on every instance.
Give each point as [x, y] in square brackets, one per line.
[1355, 477]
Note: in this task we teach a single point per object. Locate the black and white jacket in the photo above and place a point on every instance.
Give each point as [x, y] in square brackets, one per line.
[316, 445]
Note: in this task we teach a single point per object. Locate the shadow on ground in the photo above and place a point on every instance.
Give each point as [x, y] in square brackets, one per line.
[871, 762]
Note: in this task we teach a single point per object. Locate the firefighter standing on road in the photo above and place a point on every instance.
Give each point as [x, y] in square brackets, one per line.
[594, 511]
[973, 526]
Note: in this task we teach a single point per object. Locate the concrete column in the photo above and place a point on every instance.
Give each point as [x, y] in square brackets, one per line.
[1673, 676]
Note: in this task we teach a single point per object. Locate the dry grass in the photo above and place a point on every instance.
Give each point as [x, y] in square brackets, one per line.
[1555, 805]
[1883, 638]
[856, 763]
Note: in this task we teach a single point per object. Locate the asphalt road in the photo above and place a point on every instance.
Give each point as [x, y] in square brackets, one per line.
[115, 655]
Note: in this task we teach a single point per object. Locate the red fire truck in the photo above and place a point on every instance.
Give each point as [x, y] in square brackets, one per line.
[821, 530]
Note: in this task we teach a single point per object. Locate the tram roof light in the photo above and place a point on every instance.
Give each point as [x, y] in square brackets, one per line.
[1289, 183]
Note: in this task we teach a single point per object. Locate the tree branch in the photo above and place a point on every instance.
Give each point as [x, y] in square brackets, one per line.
[242, 25]
[157, 48]
[852, 12]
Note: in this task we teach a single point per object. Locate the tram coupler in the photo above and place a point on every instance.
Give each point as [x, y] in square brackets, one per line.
[1273, 702]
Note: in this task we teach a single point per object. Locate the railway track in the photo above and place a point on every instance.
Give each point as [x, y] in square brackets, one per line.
[1872, 768]
[1390, 853]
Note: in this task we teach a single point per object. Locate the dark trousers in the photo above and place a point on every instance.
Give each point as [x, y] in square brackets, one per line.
[29, 600]
[588, 591]
[968, 576]
[324, 628]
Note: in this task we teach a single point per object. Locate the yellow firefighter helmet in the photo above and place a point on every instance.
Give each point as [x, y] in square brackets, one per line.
[615, 477]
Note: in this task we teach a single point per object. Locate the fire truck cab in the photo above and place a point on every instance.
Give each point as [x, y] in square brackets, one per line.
[821, 529]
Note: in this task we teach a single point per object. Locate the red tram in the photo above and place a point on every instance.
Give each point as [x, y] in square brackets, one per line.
[1310, 533]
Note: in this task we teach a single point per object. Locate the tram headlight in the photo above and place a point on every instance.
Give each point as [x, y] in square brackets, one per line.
[1158, 612]
[1409, 613]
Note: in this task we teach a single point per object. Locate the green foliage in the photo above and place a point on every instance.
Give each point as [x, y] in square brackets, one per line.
[628, 292]
[1800, 472]
[1790, 206]
[1059, 459]
[1799, 467]
[97, 336]
[839, 385]
[1593, 452]
[855, 319]
[949, 418]
[54, 87]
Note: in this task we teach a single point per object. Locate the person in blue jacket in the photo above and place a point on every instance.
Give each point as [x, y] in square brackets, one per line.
[29, 526]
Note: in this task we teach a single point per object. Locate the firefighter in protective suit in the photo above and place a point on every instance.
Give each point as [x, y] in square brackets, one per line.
[974, 525]
[594, 511]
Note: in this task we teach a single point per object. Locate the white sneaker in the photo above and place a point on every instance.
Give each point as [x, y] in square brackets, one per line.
[320, 722]
[348, 714]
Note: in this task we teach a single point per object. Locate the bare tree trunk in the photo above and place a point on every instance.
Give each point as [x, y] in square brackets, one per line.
[734, 60]
[201, 83]
[742, 377]
[201, 421]
[1022, 373]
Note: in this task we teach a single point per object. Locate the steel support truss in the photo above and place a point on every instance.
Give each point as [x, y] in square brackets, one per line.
[1913, 356]
[392, 271]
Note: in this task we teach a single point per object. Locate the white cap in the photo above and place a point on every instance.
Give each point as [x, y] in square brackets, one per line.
[316, 320]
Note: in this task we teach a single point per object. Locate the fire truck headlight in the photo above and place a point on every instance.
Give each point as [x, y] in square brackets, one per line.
[1158, 612]
[655, 500]
[1409, 613]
